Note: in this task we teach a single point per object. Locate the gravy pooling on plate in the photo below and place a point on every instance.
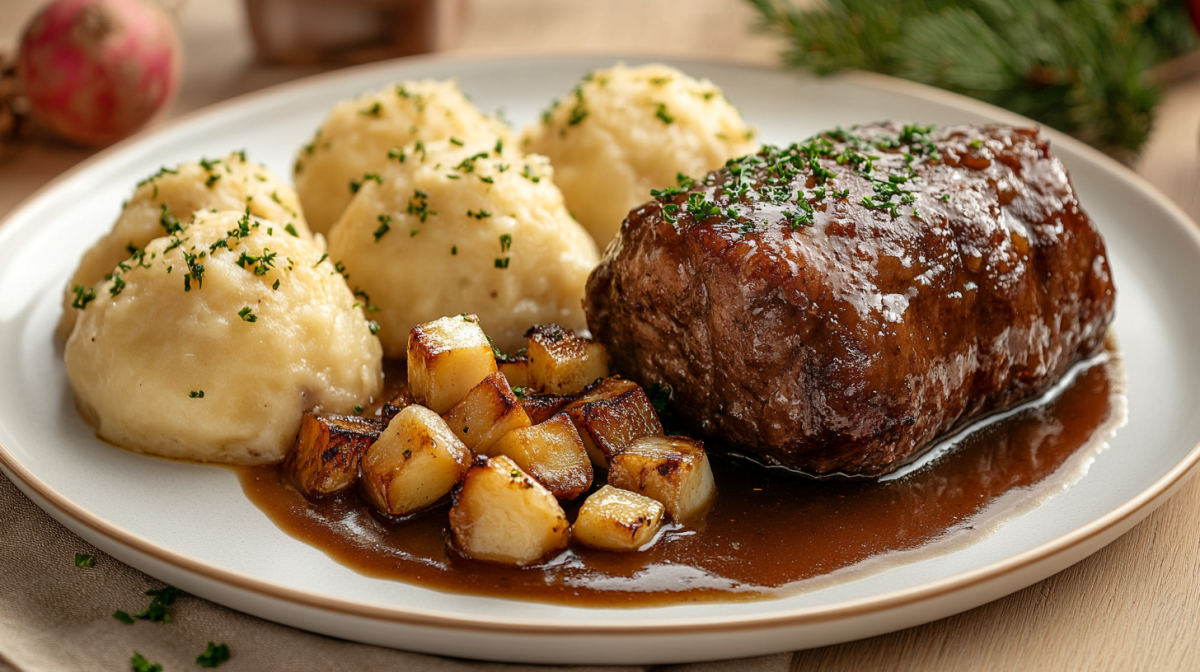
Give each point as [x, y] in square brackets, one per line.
[769, 532]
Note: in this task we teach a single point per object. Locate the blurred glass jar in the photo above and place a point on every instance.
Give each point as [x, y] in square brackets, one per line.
[345, 32]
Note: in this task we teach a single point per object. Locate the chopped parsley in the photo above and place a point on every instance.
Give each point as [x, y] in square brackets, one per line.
[479, 215]
[501, 262]
[196, 394]
[660, 394]
[213, 656]
[385, 225]
[454, 249]
[519, 392]
[84, 560]
[373, 110]
[246, 315]
[290, 228]
[323, 258]
[195, 271]
[530, 176]
[212, 179]
[418, 205]
[168, 222]
[355, 185]
[662, 114]
[139, 664]
[123, 617]
[505, 242]
[456, 142]
[83, 296]
[156, 611]
[358, 410]
[373, 326]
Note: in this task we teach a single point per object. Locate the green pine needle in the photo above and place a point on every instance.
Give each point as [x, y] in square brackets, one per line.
[1075, 65]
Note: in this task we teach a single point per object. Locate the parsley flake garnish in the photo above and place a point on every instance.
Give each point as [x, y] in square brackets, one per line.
[372, 111]
[453, 250]
[290, 228]
[385, 225]
[139, 664]
[160, 599]
[505, 242]
[373, 326]
[213, 656]
[246, 315]
[196, 394]
[662, 114]
[83, 297]
[479, 215]
[84, 560]
[502, 262]
[123, 617]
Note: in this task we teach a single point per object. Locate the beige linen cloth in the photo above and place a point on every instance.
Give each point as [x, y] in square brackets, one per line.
[57, 617]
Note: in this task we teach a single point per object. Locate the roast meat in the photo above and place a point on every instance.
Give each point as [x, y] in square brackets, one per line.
[836, 305]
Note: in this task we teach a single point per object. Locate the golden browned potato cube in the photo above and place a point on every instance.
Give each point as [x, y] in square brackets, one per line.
[552, 453]
[415, 462]
[610, 415]
[515, 369]
[327, 451]
[617, 520]
[502, 515]
[671, 469]
[561, 362]
[542, 407]
[446, 358]
[392, 407]
[488, 412]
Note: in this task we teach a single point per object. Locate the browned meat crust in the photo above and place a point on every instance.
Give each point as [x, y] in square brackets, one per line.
[923, 278]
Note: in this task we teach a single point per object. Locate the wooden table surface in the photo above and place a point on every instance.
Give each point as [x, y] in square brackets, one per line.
[1135, 605]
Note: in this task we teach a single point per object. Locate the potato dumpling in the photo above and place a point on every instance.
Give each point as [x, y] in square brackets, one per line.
[447, 358]
[671, 469]
[169, 198]
[415, 462]
[552, 453]
[502, 515]
[355, 138]
[477, 229]
[624, 131]
[617, 520]
[561, 362]
[488, 412]
[210, 344]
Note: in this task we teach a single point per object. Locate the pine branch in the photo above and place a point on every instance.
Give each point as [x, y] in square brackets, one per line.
[1075, 65]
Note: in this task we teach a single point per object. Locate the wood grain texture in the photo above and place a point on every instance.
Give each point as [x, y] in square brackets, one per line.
[1135, 605]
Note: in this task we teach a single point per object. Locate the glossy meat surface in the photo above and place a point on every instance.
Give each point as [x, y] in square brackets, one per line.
[836, 305]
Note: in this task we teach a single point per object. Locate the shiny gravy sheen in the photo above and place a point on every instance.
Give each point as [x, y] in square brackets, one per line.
[770, 533]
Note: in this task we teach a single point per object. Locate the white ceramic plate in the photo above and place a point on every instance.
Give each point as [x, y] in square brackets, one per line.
[192, 526]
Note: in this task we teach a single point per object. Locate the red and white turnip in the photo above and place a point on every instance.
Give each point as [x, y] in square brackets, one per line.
[96, 70]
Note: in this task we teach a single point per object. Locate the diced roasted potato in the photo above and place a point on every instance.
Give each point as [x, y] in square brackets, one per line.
[446, 358]
[392, 407]
[502, 515]
[327, 451]
[611, 415]
[542, 407]
[415, 462]
[671, 469]
[552, 453]
[515, 368]
[561, 362]
[617, 520]
[488, 412]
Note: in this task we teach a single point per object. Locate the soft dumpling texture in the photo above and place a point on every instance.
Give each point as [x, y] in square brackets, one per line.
[356, 137]
[624, 131]
[169, 198]
[475, 229]
[216, 340]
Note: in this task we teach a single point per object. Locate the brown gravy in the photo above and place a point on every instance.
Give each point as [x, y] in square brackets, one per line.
[769, 533]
